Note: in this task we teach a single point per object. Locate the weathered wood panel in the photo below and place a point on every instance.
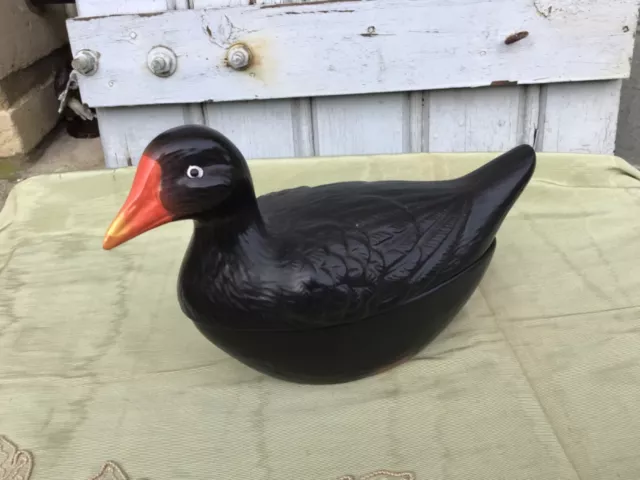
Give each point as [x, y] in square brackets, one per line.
[580, 117]
[557, 117]
[125, 131]
[362, 124]
[474, 120]
[263, 129]
[93, 8]
[260, 129]
[355, 47]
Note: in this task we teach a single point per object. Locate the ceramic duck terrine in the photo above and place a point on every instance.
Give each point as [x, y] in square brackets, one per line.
[323, 284]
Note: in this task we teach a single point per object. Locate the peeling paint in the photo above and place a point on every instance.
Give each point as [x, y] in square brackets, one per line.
[225, 34]
[546, 13]
[500, 83]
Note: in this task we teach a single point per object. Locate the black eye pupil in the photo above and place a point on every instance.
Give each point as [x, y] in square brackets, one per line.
[194, 172]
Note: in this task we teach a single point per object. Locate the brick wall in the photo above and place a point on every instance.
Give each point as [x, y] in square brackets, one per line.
[32, 47]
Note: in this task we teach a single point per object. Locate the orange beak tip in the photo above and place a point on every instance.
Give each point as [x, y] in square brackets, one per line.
[108, 243]
[142, 210]
[115, 234]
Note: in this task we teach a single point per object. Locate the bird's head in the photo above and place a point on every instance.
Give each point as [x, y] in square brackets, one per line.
[187, 172]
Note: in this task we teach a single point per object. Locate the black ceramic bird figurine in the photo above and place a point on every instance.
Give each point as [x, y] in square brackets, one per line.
[324, 284]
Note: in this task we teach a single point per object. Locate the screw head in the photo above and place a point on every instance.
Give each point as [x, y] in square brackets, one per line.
[85, 62]
[162, 61]
[238, 56]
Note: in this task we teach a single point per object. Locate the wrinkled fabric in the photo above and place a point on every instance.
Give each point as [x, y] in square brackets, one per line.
[537, 378]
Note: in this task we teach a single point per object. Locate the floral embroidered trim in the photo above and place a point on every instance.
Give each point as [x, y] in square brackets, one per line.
[381, 475]
[14, 464]
[111, 471]
[17, 464]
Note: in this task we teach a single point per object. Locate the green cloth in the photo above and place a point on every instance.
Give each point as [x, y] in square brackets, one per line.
[537, 378]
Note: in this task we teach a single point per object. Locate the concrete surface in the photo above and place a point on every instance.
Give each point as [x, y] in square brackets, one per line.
[57, 153]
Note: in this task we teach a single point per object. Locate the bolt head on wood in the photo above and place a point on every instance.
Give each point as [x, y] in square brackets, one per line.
[85, 62]
[162, 61]
[238, 56]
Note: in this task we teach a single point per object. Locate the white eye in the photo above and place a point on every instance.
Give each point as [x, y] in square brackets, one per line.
[195, 171]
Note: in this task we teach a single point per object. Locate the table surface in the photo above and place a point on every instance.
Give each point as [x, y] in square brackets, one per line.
[537, 378]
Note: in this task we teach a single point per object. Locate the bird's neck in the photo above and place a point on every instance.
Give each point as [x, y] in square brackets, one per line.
[234, 226]
[225, 253]
[231, 235]
[230, 218]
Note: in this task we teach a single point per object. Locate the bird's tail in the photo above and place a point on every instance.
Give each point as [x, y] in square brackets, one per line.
[505, 177]
[494, 188]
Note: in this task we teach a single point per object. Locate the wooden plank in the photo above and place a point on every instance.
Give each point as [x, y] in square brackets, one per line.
[199, 4]
[260, 129]
[355, 47]
[361, 124]
[529, 115]
[418, 122]
[302, 127]
[91, 8]
[126, 131]
[580, 118]
[474, 120]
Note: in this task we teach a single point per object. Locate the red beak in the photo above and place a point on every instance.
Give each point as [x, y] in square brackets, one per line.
[142, 210]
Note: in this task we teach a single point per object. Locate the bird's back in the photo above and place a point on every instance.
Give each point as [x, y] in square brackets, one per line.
[347, 251]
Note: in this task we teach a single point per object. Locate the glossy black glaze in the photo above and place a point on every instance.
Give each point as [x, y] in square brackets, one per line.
[332, 283]
[351, 350]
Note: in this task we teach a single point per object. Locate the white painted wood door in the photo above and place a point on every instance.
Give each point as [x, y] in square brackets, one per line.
[361, 77]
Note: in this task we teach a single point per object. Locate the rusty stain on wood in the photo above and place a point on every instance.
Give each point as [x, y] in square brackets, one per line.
[500, 83]
[318, 2]
[516, 37]
[262, 68]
